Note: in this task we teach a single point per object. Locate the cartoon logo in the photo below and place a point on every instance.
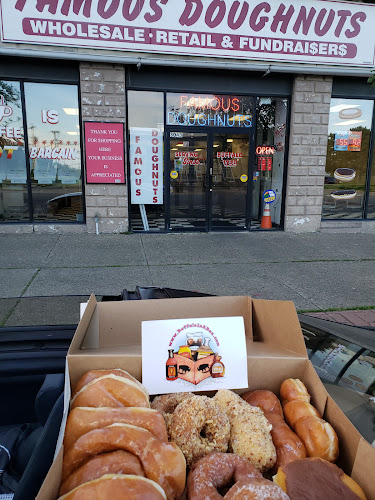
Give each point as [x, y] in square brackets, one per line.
[4, 109]
[193, 355]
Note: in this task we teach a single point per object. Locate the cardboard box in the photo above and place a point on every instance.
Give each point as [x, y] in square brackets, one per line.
[109, 336]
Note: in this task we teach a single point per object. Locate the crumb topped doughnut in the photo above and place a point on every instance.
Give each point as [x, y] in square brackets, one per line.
[217, 470]
[199, 426]
[167, 404]
[250, 431]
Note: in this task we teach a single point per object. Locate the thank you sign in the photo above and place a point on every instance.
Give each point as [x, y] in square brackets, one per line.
[312, 31]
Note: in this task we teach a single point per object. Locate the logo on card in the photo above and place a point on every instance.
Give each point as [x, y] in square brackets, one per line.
[193, 354]
[4, 109]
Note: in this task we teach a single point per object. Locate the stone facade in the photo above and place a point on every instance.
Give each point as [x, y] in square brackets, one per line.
[103, 99]
[307, 152]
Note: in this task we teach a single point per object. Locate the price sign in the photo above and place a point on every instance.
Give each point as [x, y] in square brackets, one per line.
[341, 141]
[355, 141]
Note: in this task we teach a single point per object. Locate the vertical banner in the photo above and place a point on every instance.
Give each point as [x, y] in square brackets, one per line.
[104, 146]
[146, 166]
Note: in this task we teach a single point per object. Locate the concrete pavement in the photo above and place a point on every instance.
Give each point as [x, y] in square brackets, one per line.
[317, 271]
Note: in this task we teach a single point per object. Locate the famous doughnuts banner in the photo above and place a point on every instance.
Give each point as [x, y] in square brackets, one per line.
[187, 355]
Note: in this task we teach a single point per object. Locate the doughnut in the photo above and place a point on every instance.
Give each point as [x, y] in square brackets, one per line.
[162, 462]
[265, 400]
[82, 420]
[344, 194]
[350, 113]
[288, 445]
[256, 489]
[319, 438]
[167, 404]
[293, 388]
[110, 391]
[250, 431]
[315, 479]
[199, 426]
[217, 470]
[92, 374]
[117, 462]
[294, 410]
[112, 486]
[344, 174]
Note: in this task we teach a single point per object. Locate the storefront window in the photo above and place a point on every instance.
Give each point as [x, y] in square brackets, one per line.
[349, 133]
[268, 172]
[371, 197]
[13, 173]
[145, 117]
[54, 151]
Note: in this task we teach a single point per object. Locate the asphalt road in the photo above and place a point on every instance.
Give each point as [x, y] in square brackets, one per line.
[316, 271]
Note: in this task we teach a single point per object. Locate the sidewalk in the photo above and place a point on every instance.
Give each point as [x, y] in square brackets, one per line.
[316, 271]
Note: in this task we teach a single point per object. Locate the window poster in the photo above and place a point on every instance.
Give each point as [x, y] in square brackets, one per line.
[348, 141]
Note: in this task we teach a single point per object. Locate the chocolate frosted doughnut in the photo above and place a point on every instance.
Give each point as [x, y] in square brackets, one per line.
[199, 426]
[217, 470]
[344, 194]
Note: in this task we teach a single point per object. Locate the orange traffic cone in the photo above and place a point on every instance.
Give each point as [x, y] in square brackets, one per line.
[266, 219]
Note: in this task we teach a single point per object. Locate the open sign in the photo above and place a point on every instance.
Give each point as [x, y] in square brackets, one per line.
[265, 150]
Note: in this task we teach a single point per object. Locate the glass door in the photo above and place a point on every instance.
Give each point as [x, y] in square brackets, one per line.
[229, 173]
[189, 181]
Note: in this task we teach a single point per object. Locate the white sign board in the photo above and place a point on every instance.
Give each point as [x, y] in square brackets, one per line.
[184, 355]
[313, 31]
[146, 166]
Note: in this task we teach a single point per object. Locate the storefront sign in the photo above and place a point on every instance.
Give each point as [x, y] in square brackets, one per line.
[229, 158]
[265, 150]
[174, 174]
[146, 166]
[348, 141]
[243, 178]
[313, 31]
[104, 146]
[269, 196]
[265, 163]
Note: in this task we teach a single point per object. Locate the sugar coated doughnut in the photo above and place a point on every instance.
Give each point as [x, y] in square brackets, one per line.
[199, 426]
[250, 431]
[256, 489]
[215, 471]
[315, 479]
[117, 462]
[113, 486]
[293, 388]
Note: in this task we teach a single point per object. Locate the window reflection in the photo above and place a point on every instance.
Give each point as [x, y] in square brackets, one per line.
[146, 110]
[54, 151]
[13, 174]
[349, 132]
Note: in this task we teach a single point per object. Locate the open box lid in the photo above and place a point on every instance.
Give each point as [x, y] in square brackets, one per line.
[119, 324]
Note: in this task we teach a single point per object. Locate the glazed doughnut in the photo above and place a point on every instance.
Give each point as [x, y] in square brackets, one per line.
[199, 426]
[250, 431]
[113, 486]
[110, 391]
[265, 400]
[318, 479]
[217, 470]
[117, 462]
[162, 462]
[92, 374]
[293, 388]
[294, 410]
[288, 445]
[319, 438]
[167, 404]
[256, 489]
[82, 420]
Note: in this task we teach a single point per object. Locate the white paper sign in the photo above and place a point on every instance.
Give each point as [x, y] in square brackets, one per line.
[188, 355]
[146, 166]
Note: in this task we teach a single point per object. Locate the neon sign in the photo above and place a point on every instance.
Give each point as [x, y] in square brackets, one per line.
[223, 103]
[265, 150]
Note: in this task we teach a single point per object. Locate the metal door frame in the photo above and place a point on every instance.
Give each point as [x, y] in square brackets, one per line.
[210, 132]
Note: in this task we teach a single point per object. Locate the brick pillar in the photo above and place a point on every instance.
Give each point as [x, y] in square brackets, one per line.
[307, 152]
[103, 99]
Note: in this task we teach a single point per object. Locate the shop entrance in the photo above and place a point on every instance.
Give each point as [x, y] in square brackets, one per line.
[208, 180]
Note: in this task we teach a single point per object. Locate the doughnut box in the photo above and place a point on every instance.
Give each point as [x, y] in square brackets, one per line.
[109, 336]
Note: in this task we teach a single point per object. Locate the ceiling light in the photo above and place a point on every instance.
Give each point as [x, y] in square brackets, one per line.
[73, 133]
[340, 107]
[229, 140]
[349, 122]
